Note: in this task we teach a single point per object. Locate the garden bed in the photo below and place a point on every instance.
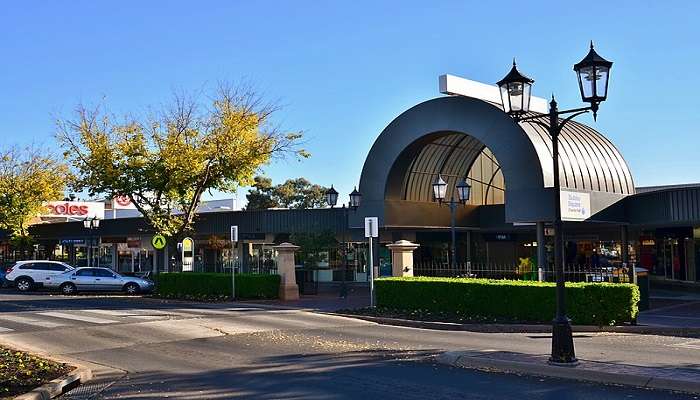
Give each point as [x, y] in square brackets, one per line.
[22, 372]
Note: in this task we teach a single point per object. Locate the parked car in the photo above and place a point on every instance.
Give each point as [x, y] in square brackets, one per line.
[32, 274]
[97, 279]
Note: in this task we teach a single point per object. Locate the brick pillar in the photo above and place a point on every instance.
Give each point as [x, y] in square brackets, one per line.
[285, 268]
[402, 257]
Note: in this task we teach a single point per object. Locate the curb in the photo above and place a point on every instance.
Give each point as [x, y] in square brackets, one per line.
[525, 328]
[59, 386]
[458, 359]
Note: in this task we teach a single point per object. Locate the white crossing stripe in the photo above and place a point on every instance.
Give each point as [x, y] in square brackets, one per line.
[32, 321]
[76, 317]
[5, 329]
[138, 314]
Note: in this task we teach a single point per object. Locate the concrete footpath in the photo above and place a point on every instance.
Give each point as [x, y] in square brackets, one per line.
[676, 379]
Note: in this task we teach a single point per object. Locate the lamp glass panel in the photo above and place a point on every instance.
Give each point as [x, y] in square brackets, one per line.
[587, 80]
[602, 81]
[526, 96]
[505, 99]
[439, 189]
[515, 92]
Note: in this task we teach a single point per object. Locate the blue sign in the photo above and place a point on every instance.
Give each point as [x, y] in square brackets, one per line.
[72, 241]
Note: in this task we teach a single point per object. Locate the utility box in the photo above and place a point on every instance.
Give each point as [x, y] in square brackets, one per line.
[643, 283]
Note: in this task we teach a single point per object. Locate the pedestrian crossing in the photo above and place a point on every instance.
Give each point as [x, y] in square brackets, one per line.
[37, 320]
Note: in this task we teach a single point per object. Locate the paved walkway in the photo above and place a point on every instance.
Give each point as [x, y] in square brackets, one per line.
[672, 309]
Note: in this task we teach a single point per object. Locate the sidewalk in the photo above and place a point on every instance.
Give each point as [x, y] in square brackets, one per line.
[677, 379]
[672, 309]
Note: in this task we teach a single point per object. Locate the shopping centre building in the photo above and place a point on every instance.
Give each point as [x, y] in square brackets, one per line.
[463, 134]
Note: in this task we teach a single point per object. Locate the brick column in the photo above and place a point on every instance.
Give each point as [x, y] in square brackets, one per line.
[285, 268]
[402, 257]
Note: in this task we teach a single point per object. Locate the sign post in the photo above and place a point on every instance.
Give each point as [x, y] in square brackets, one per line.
[371, 231]
[187, 254]
[158, 242]
[234, 241]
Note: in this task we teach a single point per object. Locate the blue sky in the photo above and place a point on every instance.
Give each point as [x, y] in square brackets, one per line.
[344, 70]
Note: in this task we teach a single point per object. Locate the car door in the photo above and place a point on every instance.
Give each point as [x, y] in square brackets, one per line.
[106, 280]
[84, 279]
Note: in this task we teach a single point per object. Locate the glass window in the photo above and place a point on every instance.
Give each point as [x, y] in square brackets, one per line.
[29, 266]
[85, 272]
[103, 273]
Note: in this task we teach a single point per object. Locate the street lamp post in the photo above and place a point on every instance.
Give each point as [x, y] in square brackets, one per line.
[91, 224]
[439, 193]
[593, 73]
[354, 203]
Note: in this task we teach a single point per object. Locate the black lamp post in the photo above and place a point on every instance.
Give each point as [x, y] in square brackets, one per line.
[593, 73]
[354, 203]
[439, 193]
[91, 224]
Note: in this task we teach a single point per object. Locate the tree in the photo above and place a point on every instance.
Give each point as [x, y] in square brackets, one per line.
[29, 178]
[293, 193]
[165, 162]
[314, 247]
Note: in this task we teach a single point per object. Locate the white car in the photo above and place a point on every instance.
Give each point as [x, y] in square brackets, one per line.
[31, 274]
[97, 279]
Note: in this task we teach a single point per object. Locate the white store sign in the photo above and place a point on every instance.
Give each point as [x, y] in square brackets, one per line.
[575, 206]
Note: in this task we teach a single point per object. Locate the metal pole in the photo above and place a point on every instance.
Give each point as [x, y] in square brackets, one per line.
[233, 271]
[562, 338]
[343, 287]
[541, 252]
[371, 272]
[453, 247]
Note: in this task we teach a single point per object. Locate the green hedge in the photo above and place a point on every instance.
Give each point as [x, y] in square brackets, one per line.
[521, 301]
[198, 285]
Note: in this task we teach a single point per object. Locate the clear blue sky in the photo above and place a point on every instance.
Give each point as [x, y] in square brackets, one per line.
[344, 70]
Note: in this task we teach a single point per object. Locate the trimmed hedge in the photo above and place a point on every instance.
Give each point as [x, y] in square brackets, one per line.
[517, 301]
[212, 286]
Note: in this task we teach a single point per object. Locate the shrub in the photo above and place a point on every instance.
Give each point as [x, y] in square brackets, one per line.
[216, 286]
[521, 301]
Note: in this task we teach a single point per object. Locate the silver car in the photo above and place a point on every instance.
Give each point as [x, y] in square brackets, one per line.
[97, 279]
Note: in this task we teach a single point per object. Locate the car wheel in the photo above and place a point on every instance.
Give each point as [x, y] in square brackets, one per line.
[68, 288]
[24, 284]
[131, 288]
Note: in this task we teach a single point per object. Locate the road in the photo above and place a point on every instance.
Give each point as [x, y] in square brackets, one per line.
[220, 351]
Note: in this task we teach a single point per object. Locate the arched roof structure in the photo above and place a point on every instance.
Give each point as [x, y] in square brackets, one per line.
[446, 135]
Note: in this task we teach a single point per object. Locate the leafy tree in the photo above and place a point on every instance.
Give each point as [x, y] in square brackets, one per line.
[314, 246]
[166, 161]
[293, 193]
[260, 197]
[29, 178]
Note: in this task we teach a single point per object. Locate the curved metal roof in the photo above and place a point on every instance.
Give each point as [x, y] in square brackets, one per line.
[587, 159]
[446, 135]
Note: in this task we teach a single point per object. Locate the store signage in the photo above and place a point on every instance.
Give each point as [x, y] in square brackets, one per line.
[158, 241]
[187, 254]
[498, 237]
[575, 206]
[75, 209]
[122, 203]
[234, 233]
[133, 242]
[72, 241]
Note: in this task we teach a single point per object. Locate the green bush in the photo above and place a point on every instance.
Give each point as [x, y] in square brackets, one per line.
[213, 286]
[505, 300]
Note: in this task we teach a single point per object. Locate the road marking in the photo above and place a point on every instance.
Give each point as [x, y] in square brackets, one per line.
[2, 330]
[138, 314]
[31, 321]
[83, 318]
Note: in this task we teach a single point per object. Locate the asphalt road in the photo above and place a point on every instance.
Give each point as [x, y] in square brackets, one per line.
[198, 351]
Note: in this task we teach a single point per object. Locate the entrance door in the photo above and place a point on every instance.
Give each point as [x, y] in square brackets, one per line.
[670, 258]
